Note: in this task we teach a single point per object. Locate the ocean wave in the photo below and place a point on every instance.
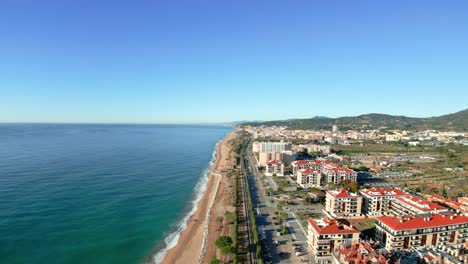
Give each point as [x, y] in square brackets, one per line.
[172, 239]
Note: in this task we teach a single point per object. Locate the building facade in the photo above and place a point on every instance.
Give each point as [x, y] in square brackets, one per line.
[274, 146]
[378, 201]
[274, 167]
[336, 174]
[308, 178]
[401, 233]
[326, 235]
[411, 205]
[343, 204]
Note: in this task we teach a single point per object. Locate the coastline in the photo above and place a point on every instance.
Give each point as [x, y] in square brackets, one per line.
[194, 240]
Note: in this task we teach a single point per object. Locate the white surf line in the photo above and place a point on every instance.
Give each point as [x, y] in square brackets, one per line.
[207, 221]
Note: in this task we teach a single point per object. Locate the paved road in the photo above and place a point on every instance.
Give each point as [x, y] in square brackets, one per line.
[265, 221]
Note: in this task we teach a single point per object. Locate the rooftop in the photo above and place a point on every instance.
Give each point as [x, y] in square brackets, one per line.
[343, 194]
[273, 162]
[383, 192]
[422, 205]
[410, 222]
[331, 226]
[308, 171]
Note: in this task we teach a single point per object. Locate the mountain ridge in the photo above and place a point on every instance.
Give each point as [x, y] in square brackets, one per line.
[457, 121]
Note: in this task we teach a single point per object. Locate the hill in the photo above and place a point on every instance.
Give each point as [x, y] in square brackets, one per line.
[452, 122]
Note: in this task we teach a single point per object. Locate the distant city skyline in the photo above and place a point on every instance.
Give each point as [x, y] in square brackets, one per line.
[215, 62]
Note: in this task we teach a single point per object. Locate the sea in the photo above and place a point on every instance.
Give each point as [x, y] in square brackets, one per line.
[89, 193]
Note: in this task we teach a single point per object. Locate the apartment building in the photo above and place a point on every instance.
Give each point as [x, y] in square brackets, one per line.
[336, 174]
[325, 235]
[316, 164]
[411, 205]
[400, 233]
[460, 206]
[360, 253]
[343, 204]
[274, 167]
[264, 157]
[378, 201]
[272, 146]
[308, 178]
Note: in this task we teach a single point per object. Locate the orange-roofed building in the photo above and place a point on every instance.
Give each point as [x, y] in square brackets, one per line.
[378, 201]
[360, 253]
[343, 204]
[336, 174]
[309, 178]
[439, 230]
[326, 235]
[274, 167]
[459, 207]
[412, 205]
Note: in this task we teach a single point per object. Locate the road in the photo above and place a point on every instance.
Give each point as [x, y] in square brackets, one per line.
[282, 253]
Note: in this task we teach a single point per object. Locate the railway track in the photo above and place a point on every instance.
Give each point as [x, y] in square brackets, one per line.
[246, 252]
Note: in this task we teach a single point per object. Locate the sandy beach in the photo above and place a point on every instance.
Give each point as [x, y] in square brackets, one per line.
[189, 246]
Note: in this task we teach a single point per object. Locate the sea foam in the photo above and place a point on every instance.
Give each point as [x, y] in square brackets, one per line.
[172, 239]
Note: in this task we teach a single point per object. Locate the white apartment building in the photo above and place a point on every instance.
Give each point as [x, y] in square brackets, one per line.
[324, 236]
[336, 174]
[274, 146]
[308, 178]
[274, 167]
[378, 201]
[400, 233]
[411, 205]
[343, 204]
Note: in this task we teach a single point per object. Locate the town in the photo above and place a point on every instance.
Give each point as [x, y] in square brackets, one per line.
[359, 196]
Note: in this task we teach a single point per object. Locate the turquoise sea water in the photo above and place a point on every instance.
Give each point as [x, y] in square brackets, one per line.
[97, 193]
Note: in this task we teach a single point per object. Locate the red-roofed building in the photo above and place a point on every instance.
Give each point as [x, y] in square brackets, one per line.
[360, 253]
[459, 207]
[300, 165]
[325, 235]
[274, 167]
[336, 174]
[378, 201]
[316, 164]
[307, 178]
[439, 230]
[343, 204]
[411, 205]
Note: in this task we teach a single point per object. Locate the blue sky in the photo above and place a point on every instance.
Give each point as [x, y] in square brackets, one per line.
[215, 61]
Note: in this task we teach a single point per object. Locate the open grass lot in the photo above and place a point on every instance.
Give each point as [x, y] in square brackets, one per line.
[362, 224]
[365, 225]
[448, 171]
[304, 216]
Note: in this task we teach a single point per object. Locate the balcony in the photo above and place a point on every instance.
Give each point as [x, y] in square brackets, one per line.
[323, 242]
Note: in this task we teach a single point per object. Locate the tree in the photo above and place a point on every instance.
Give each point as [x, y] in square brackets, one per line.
[214, 260]
[444, 193]
[224, 243]
[363, 168]
[282, 217]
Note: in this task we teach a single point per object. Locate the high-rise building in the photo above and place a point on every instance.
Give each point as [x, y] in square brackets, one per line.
[274, 146]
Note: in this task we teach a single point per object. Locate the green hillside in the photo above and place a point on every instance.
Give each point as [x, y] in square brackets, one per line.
[454, 122]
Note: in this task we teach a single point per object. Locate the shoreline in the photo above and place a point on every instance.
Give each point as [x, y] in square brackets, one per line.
[192, 242]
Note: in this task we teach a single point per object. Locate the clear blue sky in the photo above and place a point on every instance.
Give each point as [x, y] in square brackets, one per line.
[212, 61]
